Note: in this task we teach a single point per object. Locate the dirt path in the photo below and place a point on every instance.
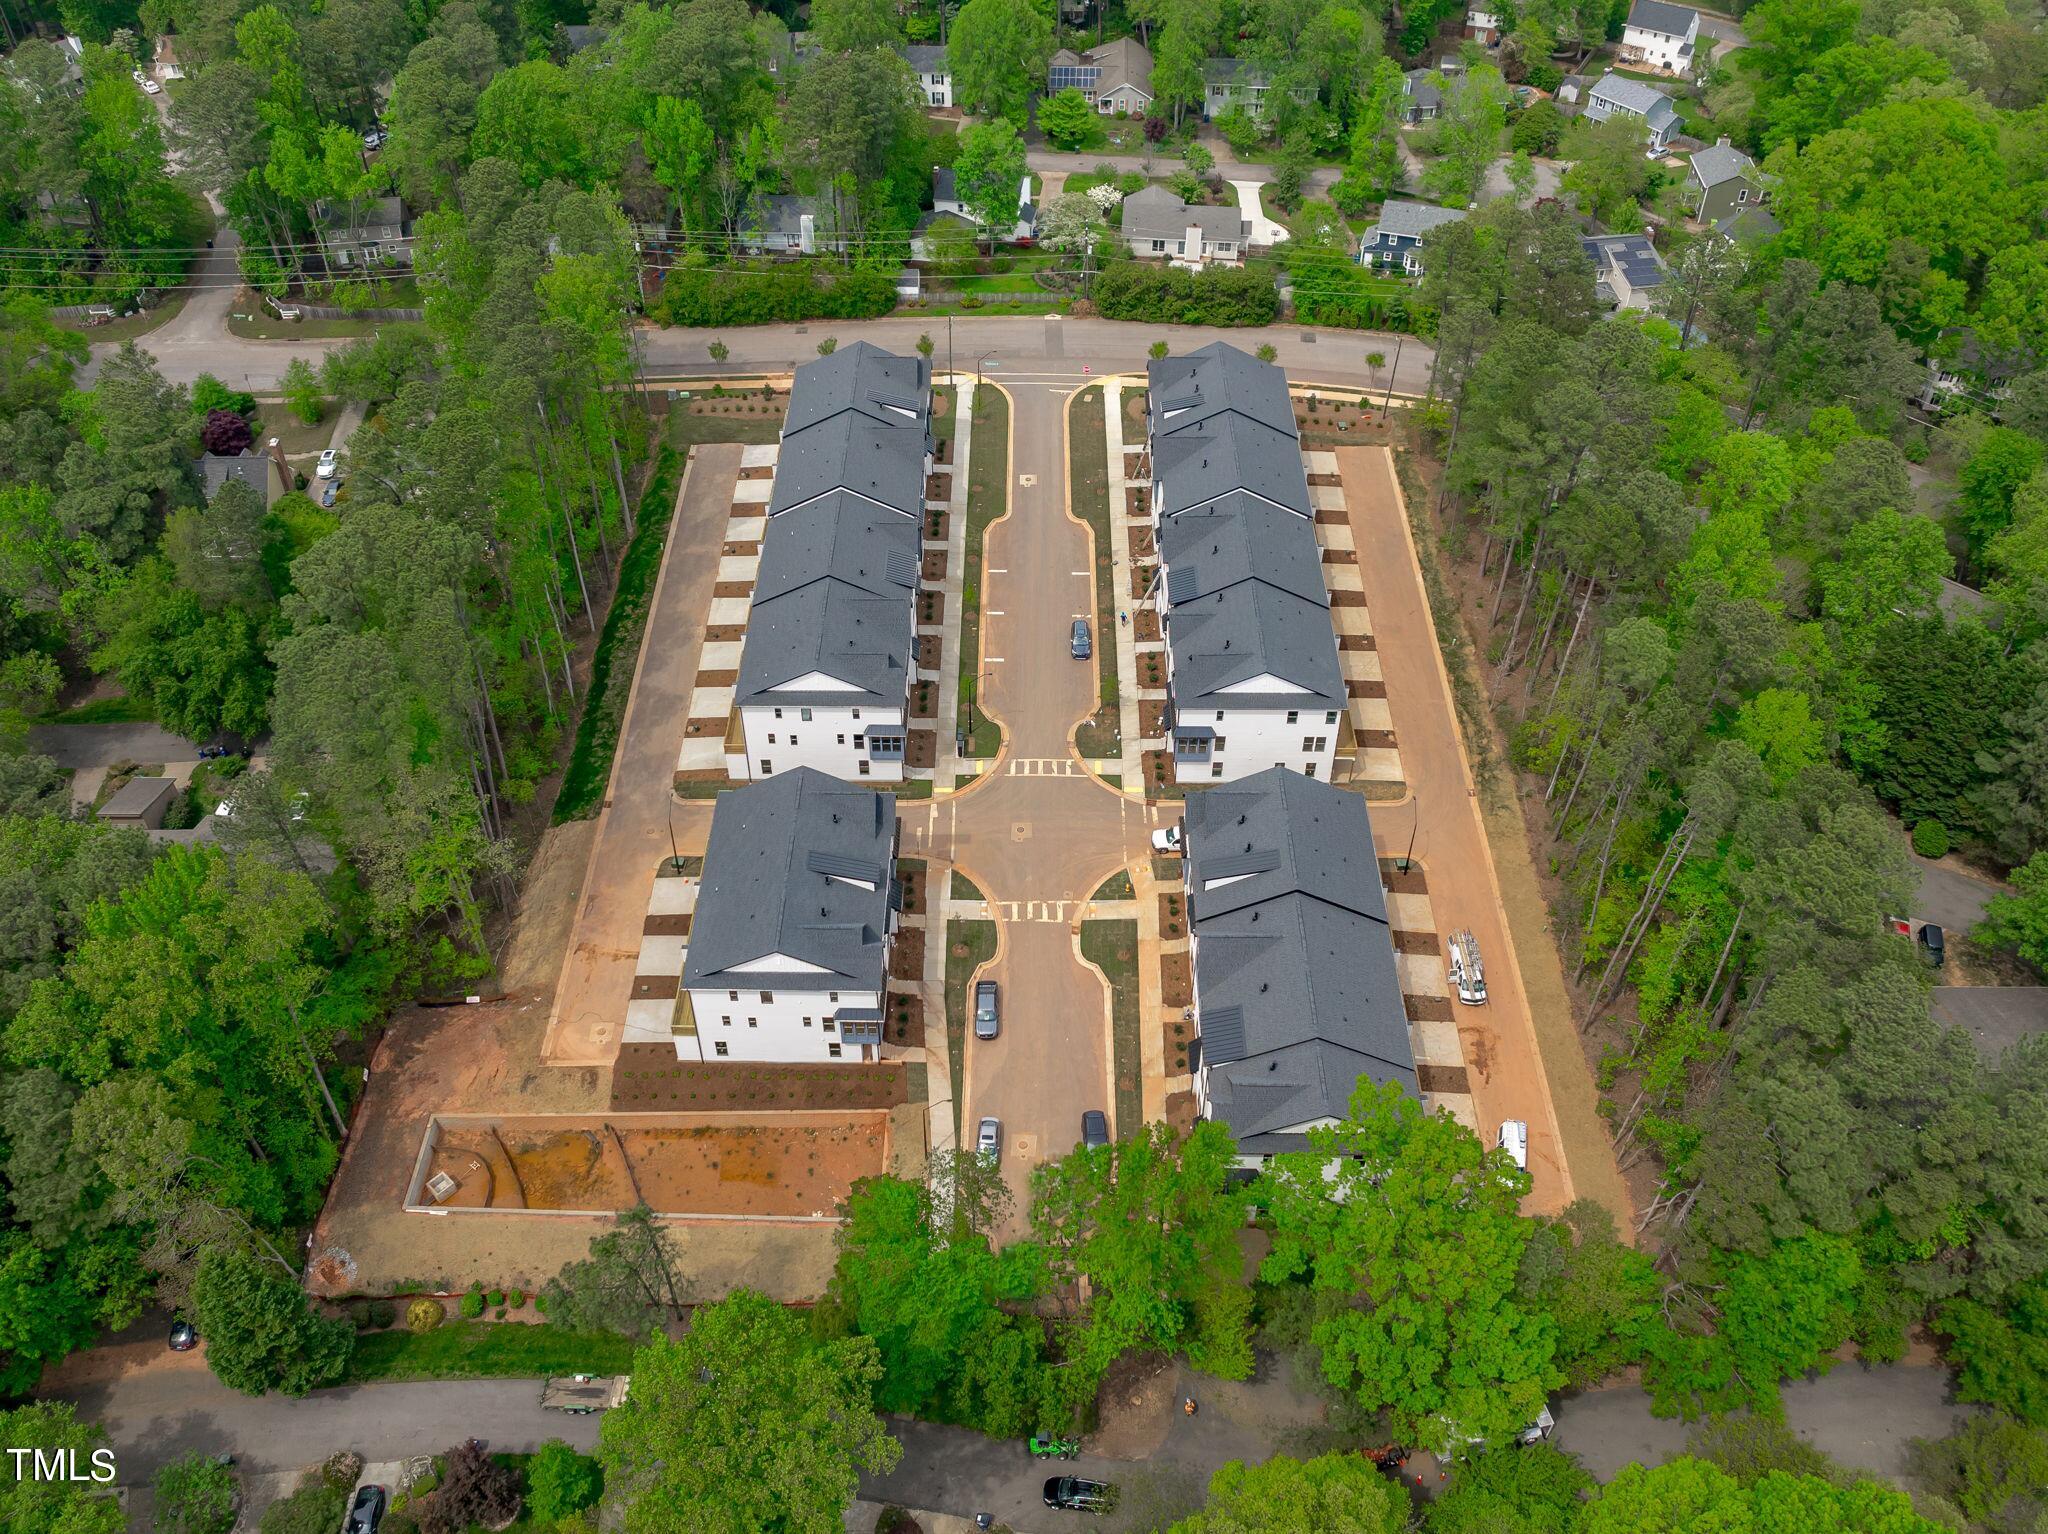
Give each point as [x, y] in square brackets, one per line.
[1521, 1048]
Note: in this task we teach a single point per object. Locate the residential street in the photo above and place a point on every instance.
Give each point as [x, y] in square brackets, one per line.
[102, 745]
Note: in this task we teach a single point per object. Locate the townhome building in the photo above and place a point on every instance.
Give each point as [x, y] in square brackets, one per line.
[788, 956]
[1253, 680]
[1297, 994]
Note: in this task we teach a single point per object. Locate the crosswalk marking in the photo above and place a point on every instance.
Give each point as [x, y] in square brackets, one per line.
[1043, 767]
[1035, 910]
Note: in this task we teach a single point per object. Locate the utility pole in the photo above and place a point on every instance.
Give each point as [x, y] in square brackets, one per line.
[1387, 404]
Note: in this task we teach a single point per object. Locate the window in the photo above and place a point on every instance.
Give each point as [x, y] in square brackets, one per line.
[767, 998]
[1215, 769]
[831, 1026]
[1158, 247]
[1314, 744]
[1308, 769]
[864, 766]
[778, 713]
[1219, 716]
[732, 995]
[832, 996]
[832, 1050]
[720, 1046]
[1216, 745]
[792, 740]
[860, 742]
[767, 768]
[725, 1022]
[807, 1022]
[804, 714]
[771, 737]
[856, 713]
[1294, 716]
[1330, 717]
[1180, 247]
[753, 1022]
[1742, 194]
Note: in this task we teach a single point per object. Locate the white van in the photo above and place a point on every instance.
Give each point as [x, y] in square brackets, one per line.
[1468, 973]
[1514, 1139]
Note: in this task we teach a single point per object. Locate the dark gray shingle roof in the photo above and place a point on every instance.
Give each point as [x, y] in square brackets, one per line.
[1658, 16]
[1414, 219]
[1248, 631]
[252, 468]
[761, 896]
[926, 58]
[1241, 538]
[1155, 214]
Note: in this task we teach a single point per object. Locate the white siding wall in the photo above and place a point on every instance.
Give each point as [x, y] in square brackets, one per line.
[771, 1030]
[824, 741]
[1255, 739]
[1658, 48]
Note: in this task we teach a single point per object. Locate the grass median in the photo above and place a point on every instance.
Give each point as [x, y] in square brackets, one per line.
[1088, 481]
[969, 945]
[988, 481]
[460, 1350]
[1112, 947]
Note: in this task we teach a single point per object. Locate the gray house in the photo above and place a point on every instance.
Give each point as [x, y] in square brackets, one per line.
[1421, 97]
[1627, 271]
[1297, 995]
[788, 226]
[1396, 240]
[362, 232]
[1614, 95]
[1117, 76]
[138, 802]
[265, 473]
[1154, 222]
[1724, 182]
[1228, 83]
[789, 944]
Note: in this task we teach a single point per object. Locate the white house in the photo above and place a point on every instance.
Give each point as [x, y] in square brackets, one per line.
[1252, 675]
[789, 942]
[1154, 222]
[830, 651]
[934, 73]
[1614, 95]
[1297, 994]
[1660, 35]
[1483, 27]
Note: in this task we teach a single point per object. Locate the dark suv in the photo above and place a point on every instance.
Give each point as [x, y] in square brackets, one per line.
[366, 1512]
[1078, 1495]
[1094, 1128]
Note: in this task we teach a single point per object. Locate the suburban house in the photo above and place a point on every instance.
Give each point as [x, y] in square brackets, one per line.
[946, 192]
[139, 802]
[1228, 83]
[266, 473]
[1297, 995]
[789, 943]
[1396, 240]
[1421, 96]
[1627, 271]
[1483, 27]
[1117, 76]
[1660, 35]
[786, 225]
[1154, 222]
[1961, 367]
[1253, 680]
[362, 232]
[830, 650]
[1614, 95]
[1724, 181]
[164, 65]
[577, 38]
[934, 73]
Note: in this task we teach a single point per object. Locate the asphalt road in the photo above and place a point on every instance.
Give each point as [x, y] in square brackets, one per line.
[1014, 343]
[1949, 897]
[102, 745]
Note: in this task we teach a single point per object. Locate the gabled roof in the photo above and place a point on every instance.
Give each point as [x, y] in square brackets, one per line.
[1156, 214]
[1235, 72]
[1631, 254]
[1240, 538]
[336, 217]
[838, 537]
[1658, 16]
[849, 451]
[926, 58]
[1414, 219]
[1720, 162]
[1634, 96]
[1250, 630]
[891, 389]
[252, 468]
[943, 189]
[1123, 61]
[776, 880]
[1748, 225]
[827, 628]
[1423, 91]
[1194, 387]
[1294, 966]
[783, 214]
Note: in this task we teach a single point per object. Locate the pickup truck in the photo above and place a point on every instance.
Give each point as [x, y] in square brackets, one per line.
[581, 1394]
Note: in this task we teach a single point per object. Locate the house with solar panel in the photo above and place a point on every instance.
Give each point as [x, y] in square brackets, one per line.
[830, 650]
[1253, 680]
[1297, 996]
[1627, 271]
[789, 944]
[1115, 76]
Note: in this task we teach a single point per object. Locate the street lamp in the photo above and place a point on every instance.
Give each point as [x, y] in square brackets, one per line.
[1408, 858]
[972, 683]
[978, 361]
[1387, 404]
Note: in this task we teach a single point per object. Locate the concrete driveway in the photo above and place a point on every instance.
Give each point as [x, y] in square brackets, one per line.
[1264, 231]
[1949, 897]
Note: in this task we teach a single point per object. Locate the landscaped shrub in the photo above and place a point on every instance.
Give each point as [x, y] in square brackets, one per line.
[423, 1315]
[515, 1298]
[1930, 839]
[382, 1313]
[472, 1304]
[772, 295]
[1131, 290]
[497, 1296]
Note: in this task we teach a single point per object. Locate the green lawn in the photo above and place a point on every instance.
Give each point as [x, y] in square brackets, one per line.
[685, 429]
[618, 648]
[130, 327]
[969, 945]
[1112, 947]
[262, 325]
[122, 710]
[1014, 282]
[1116, 887]
[1088, 478]
[943, 406]
[459, 1350]
[964, 888]
[988, 484]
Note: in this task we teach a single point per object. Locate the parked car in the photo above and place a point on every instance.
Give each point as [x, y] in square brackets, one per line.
[374, 139]
[1094, 1128]
[1514, 1139]
[1933, 943]
[1166, 839]
[151, 88]
[987, 1020]
[330, 491]
[1083, 646]
[1079, 1495]
[330, 463]
[184, 1337]
[989, 1139]
[1468, 971]
[366, 1512]
[137, 76]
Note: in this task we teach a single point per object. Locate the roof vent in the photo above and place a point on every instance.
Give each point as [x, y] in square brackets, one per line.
[1264, 987]
[1272, 1065]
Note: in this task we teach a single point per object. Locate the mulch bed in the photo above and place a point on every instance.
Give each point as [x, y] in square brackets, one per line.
[1380, 739]
[1416, 942]
[1326, 479]
[1173, 921]
[1357, 642]
[1147, 620]
[1141, 579]
[706, 727]
[929, 647]
[921, 749]
[924, 699]
[758, 471]
[1428, 1009]
[1137, 501]
[717, 678]
[1158, 768]
[937, 487]
[1340, 556]
[1329, 515]
[904, 1021]
[1365, 687]
[1347, 599]
[725, 633]
[1181, 1111]
[934, 566]
[1152, 669]
[1442, 1078]
[741, 550]
[1413, 882]
[935, 524]
[912, 880]
[650, 1077]
[1151, 716]
[1176, 980]
[732, 589]
[1141, 542]
[1175, 1035]
[906, 955]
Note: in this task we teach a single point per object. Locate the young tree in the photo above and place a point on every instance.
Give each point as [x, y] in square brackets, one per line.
[195, 1494]
[1607, 180]
[998, 51]
[302, 395]
[559, 1482]
[631, 1282]
[1067, 119]
[474, 1491]
[1468, 134]
[217, 549]
[261, 1331]
[2019, 921]
[745, 1424]
[855, 26]
[1407, 1231]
